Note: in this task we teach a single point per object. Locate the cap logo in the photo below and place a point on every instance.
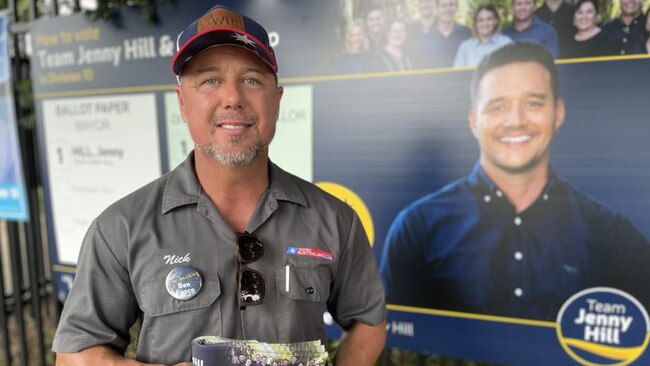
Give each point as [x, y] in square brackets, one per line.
[220, 18]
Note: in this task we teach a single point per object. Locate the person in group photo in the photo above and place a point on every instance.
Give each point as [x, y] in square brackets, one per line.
[647, 28]
[559, 15]
[512, 238]
[355, 58]
[527, 27]
[486, 37]
[394, 56]
[419, 35]
[628, 30]
[589, 39]
[447, 34]
[376, 29]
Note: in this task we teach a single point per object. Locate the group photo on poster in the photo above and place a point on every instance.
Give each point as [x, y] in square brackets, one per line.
[402, 35]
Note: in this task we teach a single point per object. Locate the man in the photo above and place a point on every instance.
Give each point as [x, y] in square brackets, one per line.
[628, 30]
[376, 29]
[512, 238]
[294, 361]
[527, 27]
[559, 14]
[447, 35]
[227, 244]
[418, 34]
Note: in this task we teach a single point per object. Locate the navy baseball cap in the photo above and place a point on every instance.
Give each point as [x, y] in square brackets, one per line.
[222, 26]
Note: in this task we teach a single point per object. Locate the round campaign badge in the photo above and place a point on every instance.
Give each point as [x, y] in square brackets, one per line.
[183, 283]
[603, 326]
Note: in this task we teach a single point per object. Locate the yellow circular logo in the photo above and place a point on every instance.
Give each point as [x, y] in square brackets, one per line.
[346, 195]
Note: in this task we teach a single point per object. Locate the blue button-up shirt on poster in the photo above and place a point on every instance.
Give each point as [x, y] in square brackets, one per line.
[465, 248]
[538, 32]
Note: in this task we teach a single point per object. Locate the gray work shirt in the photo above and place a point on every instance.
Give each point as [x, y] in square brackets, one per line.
[124, 261]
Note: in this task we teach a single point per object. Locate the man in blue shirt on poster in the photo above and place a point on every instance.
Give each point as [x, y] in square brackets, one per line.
[512, 238]
[628, 30]
[527, 27]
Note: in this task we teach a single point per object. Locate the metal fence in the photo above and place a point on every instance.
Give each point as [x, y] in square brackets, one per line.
[28, 310]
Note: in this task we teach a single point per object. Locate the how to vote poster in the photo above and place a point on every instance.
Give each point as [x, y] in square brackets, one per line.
[378, 138]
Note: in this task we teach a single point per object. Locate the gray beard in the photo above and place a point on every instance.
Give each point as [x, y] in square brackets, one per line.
[234, 159]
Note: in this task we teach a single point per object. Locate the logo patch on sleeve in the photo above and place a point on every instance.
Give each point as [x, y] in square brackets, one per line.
[310, 252]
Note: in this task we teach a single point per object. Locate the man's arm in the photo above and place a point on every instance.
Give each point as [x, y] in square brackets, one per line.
[362, 345]
[101, 356]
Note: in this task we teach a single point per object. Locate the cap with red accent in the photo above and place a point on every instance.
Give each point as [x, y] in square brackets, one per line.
[222, 26]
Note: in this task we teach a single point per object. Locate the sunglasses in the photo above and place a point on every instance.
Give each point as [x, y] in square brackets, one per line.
[252, 286]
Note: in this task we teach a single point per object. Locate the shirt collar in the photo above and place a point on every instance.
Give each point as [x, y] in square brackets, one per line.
[183, 188]
[480, 182]
[284, 186]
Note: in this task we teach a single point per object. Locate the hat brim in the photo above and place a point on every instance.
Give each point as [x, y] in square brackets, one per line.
[221, 37]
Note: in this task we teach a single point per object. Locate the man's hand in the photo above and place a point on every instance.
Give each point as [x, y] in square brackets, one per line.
[362, 345]
[101, 356]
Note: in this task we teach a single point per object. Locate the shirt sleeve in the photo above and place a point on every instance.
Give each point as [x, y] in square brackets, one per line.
[552, 43]
[400, 271]
[101, 306]
[461, 57]
[357, 294]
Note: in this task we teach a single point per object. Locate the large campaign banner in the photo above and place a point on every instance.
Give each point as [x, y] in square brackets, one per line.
[467, 274]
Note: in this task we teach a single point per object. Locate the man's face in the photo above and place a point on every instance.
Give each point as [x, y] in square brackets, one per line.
[447, 10]
[426, 8]
[396, 33]
[242, 358]
[230, 102]
[523, 10]
[375, 21]
[631, 7]
[515, 117]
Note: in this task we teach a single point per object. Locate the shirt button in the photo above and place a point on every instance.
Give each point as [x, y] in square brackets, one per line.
[624, 40]
[518, 255]
[310, 290]
[519, 292]
[517, 220]
[499, 193]
[545, 197]
[487, 198]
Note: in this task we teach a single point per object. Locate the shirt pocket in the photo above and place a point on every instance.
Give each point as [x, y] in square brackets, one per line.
[311, 284]
[169, 325]
[156, 301]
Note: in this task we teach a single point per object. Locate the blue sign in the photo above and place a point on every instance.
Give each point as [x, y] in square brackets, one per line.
[13, 200]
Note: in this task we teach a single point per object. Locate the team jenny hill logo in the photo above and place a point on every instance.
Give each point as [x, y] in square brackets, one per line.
[603, 326]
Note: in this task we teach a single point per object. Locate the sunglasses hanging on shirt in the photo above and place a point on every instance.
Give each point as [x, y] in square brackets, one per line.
[251, 284]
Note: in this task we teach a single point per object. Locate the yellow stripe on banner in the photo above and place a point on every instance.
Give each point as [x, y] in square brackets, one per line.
[457, 314]
[614, 353]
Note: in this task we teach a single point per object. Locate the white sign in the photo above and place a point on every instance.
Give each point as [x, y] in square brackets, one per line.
[99, 149]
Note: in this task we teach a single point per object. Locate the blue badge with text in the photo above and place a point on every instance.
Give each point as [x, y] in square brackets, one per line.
[603, 326]
[183, 283]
